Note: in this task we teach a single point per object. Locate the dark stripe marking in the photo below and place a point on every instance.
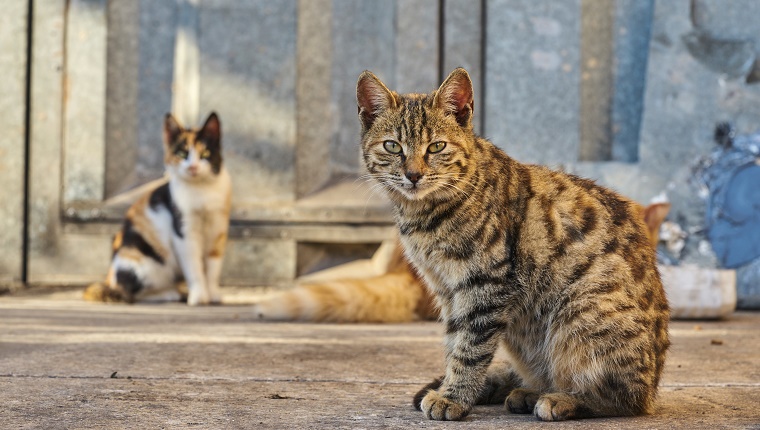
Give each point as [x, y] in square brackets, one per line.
[131, 238]
[161, 196]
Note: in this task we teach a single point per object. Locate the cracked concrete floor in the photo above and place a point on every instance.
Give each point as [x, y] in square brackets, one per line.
[69, 364]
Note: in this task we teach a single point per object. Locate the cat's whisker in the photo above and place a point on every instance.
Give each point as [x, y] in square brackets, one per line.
[378, 187]
[367, 177]
[449, 186]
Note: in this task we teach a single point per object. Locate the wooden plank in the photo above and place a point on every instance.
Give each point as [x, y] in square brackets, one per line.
[313, 232]
[346, 201]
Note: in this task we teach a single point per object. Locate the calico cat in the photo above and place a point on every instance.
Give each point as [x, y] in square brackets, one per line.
[395, 296]
[552, 268]
[178, 231]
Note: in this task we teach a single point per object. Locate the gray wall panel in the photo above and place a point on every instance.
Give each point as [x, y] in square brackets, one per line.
[532, 76]
[13, 25]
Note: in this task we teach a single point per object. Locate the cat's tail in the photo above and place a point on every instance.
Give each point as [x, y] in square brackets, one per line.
[103, 292]
[388, 298]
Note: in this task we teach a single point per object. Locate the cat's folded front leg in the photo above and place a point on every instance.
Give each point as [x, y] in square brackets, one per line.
[189, 254]
[471, 340]
[213, 270]
[197, 293]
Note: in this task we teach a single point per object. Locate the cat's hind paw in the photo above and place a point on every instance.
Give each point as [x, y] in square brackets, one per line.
[557, 407]
[436, 407]
[521, 401]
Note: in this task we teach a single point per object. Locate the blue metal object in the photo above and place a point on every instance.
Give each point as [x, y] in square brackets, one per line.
[732, 177]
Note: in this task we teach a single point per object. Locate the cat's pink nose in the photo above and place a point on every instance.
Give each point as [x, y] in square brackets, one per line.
[193, 169]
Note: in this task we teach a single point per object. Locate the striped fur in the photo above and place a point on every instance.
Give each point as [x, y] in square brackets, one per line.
[395, 295]
[177, 231]
[556, 270]
[398, 294]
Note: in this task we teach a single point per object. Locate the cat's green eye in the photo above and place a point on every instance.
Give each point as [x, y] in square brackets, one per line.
[436, 147]
[206, 153]
[392, 147]
[181, 153]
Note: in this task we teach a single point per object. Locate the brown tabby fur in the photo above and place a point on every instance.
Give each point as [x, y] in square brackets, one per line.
[553, 268]
[397, 295]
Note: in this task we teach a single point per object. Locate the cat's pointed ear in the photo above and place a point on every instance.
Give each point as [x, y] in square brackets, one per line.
[654, 215]
[172, 129]
[373, 98]
[211, 132]
[454, 96]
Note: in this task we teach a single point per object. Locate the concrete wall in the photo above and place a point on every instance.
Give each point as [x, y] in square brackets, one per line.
[13, 44]
[624, 91]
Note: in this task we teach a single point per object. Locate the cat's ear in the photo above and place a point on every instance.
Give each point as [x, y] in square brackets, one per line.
[454, 96]
[654, 215]
[211, 132]
[373, 98]
[172, 129]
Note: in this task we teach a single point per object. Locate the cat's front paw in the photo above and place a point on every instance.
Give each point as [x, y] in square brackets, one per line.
[439, 408]
[214, 293]
[196, 298]
[215, 299]
[417, 400]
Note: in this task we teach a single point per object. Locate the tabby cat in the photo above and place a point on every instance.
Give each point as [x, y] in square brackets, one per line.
[178, 231]
[556, 270]
[396, 295]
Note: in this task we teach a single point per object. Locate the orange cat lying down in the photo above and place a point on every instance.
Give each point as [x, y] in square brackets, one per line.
[395, 295]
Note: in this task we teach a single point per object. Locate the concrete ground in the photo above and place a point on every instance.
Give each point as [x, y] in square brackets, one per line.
[69, 364]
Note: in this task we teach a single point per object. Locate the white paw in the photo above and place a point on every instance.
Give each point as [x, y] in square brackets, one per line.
[195, 298]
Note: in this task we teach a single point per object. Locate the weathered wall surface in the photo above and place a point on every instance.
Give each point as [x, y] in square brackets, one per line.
[627, 92]
[13, 24]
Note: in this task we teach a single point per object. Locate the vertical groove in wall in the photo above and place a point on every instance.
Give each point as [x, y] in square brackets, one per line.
[441, 40]
[64, 97]
[27, 135]
[633, 21]
[314, 57]
[597, 81]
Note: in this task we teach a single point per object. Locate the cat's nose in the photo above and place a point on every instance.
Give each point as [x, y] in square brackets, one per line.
[414, 177]
[193, 169]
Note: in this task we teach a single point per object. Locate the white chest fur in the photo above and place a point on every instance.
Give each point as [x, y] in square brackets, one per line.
[201, 197]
